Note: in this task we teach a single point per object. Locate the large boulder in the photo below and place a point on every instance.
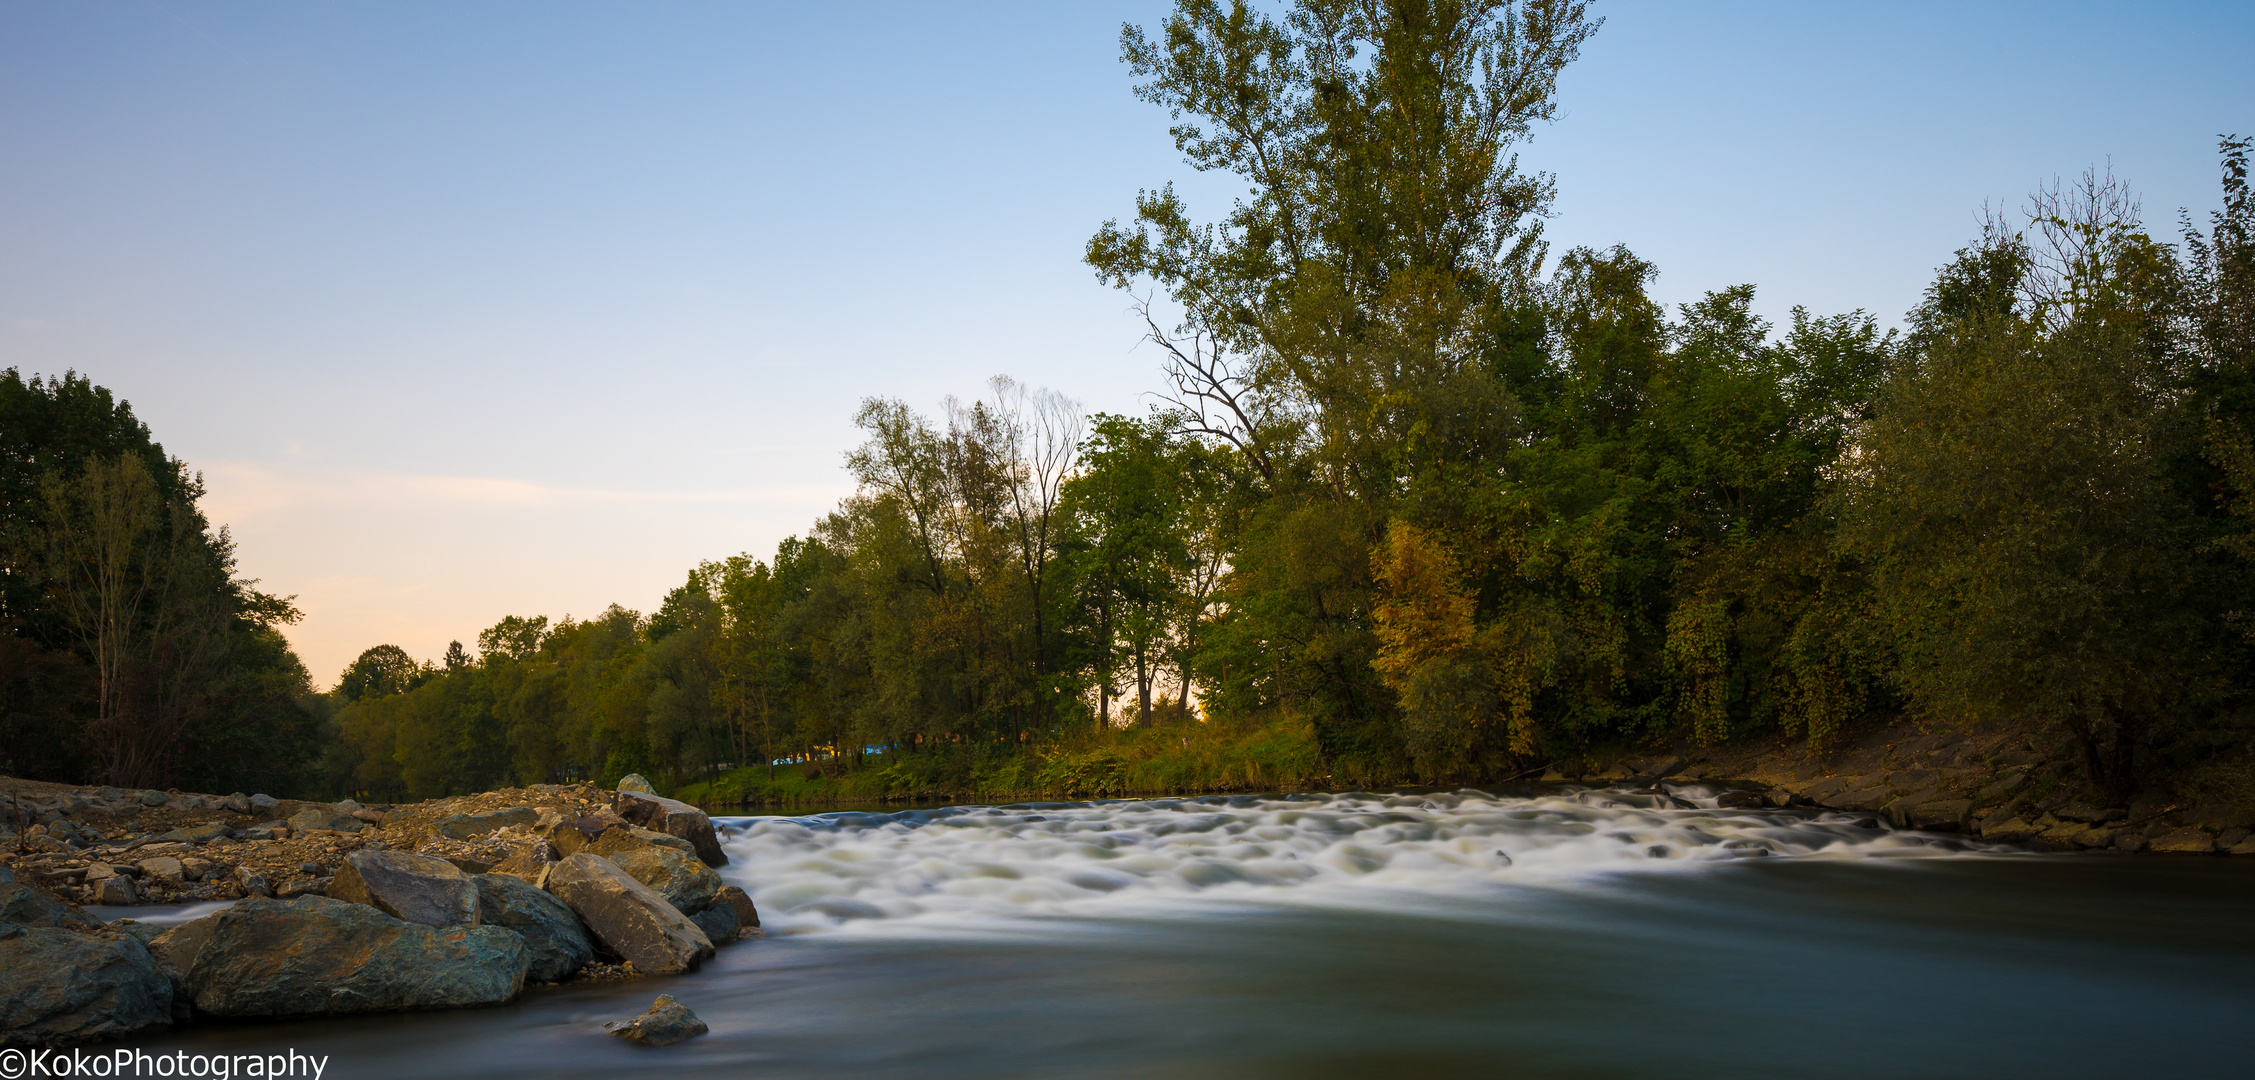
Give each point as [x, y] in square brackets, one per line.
[529, 863]
[746, 914]
[718, 922]
[558, 944]
[414, 888]
[25, 906]
[323, 818]
[465, 826]
[66, 987]
[628, 917]
[633, 781]
[687, 884]
[672, 818]
[317, 956]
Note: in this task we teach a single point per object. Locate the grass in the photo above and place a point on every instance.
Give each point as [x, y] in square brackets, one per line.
[1270, 754]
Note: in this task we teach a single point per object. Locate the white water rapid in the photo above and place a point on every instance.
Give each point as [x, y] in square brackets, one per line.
[971, 865]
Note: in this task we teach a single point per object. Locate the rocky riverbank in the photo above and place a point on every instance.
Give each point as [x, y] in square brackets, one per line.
[342, 908]
[2003, 785]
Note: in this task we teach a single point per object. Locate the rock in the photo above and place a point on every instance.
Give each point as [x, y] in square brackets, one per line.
[635, 782]
[1865, 800]
[687, 884]
[43, 844]
[346, 807]
[318, 956]
[196, 834]
[154, 798]
[465, 826]
[2244, 847]
[667, 1023]
[529, 863]
[116, 890]
[314, 886]
[238, 803]
[2230, 838]
[1943, 814]
[194, 869]
[25, 906]
[372, 817]
[2129, 840]
[718, 922]
[65, 987]
[573, 835]
[2187, 841]
[413, 888]
[164, 868]
[252, 882]
[175, 950]
[2004, 785]
[265, 804]
[1739, 800]
[628, 917]
[2060, 837]
[318, 818]
[673, 818]
[746, 914]
[555, 942]
[137, 930]
[2089, 815]
[2099, 836]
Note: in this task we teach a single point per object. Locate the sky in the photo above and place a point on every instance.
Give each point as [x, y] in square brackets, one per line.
[472, 310]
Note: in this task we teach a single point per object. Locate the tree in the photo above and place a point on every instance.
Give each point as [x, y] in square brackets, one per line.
[2030, 553]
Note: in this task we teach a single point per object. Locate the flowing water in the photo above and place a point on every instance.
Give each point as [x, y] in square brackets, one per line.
[1569, 933]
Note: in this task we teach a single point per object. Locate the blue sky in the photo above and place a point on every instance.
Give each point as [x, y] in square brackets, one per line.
[489, 309]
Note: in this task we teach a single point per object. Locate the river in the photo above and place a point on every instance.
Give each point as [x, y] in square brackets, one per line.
[1564, 933]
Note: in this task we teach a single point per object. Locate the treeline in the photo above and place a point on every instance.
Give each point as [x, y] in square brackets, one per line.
[130, 653]
[1461, 509]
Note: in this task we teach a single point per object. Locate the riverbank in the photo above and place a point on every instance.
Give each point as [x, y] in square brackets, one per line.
[2005, 784]
[339, 908]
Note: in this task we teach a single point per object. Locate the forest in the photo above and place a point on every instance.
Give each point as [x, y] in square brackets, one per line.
[1419, 500]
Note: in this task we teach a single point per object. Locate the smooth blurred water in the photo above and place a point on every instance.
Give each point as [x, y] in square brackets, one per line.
[1586, 934]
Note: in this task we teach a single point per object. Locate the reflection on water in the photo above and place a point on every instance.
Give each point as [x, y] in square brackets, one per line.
[1432, 935]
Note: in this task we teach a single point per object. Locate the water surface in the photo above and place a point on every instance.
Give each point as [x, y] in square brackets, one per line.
[1574, 933]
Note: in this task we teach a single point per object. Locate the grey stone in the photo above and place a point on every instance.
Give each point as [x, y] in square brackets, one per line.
[319, 818]
[2061, 837]
[164, 868]
[718, 922]
[556, 943]
[197, 834]
[2244, 847]
[347, 807]
[116, 890]
[2188, 841]
[252, 882]
[687, 884]
[2003, 785]
[310, 886]
[238, 803]
[2129, 840]
[2089, 815]
[367, 816]
[746, 914]
[635, 782]
[175, 950]
[265, 804]
[1864, 800]
[318, 956]
[667, 1022]
[465, 826]
[1942, 814]
[673, 818]
[64, 987]
[2011, 830]
[154, 798]
[529, 863]
[628, 917]
[415, 888]
[25, 906]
